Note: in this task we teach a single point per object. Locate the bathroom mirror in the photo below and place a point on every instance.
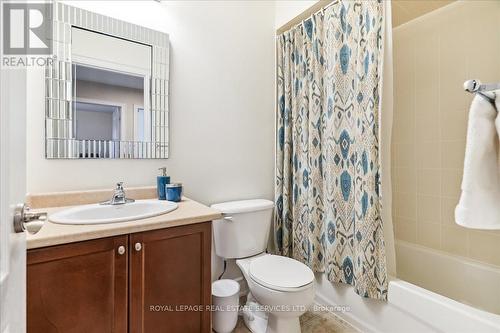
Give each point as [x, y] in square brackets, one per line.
[107, 89]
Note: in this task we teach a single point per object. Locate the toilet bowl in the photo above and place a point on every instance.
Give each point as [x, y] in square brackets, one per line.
[283, 287]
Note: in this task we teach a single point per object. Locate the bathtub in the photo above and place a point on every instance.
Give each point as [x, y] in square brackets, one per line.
[464, 280]
[419, 309]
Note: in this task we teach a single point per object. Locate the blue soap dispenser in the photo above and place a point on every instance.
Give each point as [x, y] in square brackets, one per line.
[161, 182]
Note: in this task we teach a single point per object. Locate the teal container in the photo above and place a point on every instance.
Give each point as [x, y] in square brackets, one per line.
[161, 183]
[174, 192]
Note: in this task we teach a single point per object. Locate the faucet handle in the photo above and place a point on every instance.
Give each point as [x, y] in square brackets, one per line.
[119, 186]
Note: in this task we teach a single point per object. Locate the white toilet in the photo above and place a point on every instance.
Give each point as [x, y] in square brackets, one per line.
[282, 286]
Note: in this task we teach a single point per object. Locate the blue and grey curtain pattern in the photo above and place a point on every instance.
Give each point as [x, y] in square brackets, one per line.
[327, 163]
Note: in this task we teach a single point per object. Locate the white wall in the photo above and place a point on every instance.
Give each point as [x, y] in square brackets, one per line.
[286, 10]
[222, 90]
[221, 102]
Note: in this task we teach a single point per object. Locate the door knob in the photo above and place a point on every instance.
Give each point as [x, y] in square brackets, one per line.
[138, 246]
[25, 220]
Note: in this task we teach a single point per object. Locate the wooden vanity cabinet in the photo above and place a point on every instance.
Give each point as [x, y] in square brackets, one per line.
[79, 287]
[169, 273]
[161, 283]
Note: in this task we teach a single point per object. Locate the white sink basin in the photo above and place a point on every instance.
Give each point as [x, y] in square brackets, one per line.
[97, 214]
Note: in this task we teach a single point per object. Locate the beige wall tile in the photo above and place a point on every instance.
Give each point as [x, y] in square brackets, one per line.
[448, 210]
[427, 125]
[454, 124]
[454, 239]
[405, 205]
[405, 180]
[484, 247]
[451, 181]
[404, 89]
[484, 14]
[453, 59]
[429, 234]
[452, 96]
[433, 56]
[452, 154]
[404, 52]
[393, 205]
[429, 182]
[428, 209]
[405, 229]
[404, 127]
[428, 155]
[427, 75]
[404, 155]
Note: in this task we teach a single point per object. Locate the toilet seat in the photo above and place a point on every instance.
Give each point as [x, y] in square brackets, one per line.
[280, 273]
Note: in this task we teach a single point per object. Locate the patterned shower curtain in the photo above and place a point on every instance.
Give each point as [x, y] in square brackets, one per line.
[328, 201]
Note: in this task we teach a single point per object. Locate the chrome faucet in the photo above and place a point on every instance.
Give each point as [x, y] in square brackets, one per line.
[118, 197]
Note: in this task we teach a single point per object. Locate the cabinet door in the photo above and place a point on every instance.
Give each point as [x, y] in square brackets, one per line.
[169, 271]
[78, 287]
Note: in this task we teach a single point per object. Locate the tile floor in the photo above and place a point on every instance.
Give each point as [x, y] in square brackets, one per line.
[313, 322]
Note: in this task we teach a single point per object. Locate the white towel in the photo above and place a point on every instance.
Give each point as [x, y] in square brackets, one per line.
[479, 205]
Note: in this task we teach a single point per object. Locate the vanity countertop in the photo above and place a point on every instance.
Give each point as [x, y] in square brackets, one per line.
[188, 212]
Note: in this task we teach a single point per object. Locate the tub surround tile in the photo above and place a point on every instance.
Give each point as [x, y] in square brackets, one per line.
[433, 56]
[428, 155]
[428, 209]
[427, 128]
[448, 210]
[405, 180]
[429, 234]
[453, 154]
[455, 239]
[428, 182]
[405, 132]
[454, 123]
[451, 182]
[405, 229]
[405, 205]
[404, 155]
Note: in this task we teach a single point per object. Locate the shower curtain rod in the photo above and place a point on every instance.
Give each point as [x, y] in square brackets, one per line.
[314, 9]
[330, 4]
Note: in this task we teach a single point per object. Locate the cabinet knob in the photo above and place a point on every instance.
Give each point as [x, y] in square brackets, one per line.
[121, 250]
[138, 246]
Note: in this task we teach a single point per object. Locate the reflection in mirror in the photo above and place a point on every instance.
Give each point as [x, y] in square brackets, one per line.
[109, 105]
[97, 121]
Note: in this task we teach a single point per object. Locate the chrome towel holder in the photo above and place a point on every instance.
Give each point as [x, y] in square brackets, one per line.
[475, 86]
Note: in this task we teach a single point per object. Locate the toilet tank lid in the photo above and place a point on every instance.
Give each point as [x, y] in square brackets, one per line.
[243, 206]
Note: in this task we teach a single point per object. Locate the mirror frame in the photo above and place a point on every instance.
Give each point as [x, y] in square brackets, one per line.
[60, 142]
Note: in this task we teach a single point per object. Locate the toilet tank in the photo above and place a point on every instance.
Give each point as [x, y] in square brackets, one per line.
[244, 229]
